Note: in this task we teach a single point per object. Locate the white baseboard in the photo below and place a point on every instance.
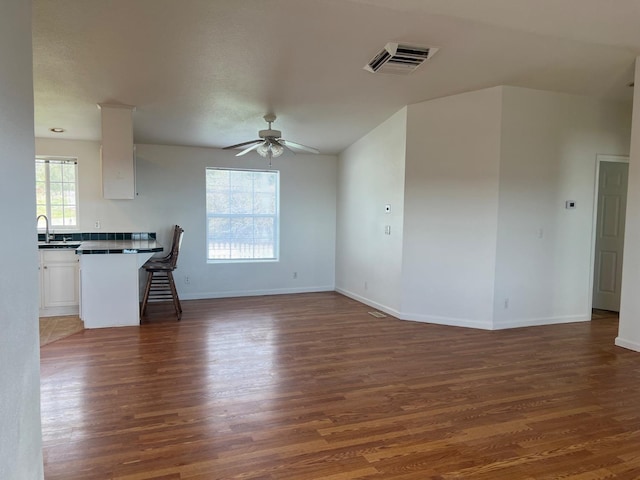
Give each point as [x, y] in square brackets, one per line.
[254, 293]
[465, 322]
[628, 344]
[449, 321]
[536, 322]
[452, 322]
[371, 303]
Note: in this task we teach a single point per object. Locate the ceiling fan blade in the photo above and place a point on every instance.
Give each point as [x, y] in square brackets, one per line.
[247, 150]
[241, 144]
[299, 146]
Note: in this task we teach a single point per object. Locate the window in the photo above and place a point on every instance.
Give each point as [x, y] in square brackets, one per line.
[57, 191]
[242, 215]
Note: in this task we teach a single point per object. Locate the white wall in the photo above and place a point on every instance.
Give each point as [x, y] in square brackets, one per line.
[371, 175]
[171, 190]
[629, 328]
[20, 437]
[548, 155]
[486, 240]
[451, 205]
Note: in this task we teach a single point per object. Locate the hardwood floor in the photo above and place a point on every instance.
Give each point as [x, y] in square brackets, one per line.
[312, 387]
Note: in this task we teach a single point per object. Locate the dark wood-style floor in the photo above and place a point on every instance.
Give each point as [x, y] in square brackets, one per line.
[312, 387]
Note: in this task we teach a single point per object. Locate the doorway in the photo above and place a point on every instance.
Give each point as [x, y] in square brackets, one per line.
[611, 205]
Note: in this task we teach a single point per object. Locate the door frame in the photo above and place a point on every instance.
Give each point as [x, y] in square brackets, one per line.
[594, 222]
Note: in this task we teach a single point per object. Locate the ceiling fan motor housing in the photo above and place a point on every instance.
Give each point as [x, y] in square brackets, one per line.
[269, 133]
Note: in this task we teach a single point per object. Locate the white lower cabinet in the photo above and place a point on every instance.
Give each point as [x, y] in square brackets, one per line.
[59, 282]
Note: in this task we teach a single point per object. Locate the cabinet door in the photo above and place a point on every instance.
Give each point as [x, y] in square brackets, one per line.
[60, 279]
[117, 152]
[40, 280]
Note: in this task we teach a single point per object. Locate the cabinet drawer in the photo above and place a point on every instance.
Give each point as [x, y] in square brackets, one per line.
[59, 256]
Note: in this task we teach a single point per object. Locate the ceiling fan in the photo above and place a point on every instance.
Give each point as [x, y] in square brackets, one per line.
[270, 144]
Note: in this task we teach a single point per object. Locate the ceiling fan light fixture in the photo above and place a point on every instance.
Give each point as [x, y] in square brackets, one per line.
[270, 150]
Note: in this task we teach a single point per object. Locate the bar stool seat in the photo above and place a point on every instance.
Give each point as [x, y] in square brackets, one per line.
[160, 283]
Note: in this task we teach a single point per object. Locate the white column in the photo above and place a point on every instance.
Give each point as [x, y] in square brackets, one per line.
[629, 328]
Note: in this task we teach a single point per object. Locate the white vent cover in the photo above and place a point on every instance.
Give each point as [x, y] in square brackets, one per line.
[399, 58]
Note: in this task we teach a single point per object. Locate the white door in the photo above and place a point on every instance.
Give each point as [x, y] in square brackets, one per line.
[612, 206]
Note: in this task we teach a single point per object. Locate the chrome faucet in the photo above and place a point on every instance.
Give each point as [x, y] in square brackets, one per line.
[46, 222]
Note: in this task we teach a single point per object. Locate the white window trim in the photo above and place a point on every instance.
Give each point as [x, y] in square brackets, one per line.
[66, 228]
[276, 246]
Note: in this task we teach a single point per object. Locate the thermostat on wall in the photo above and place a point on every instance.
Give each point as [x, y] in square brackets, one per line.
[570, 204]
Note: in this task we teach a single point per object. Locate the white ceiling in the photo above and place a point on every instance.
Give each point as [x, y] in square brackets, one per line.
[204, 72]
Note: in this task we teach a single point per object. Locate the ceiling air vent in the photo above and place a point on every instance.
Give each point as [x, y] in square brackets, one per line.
[399, 58]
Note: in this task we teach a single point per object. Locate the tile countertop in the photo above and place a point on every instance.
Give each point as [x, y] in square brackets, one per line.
[118, 246]
[56, 244]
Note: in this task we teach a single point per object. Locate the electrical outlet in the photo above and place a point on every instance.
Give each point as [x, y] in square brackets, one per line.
[187, 280]
[97, 224]
[295, 275]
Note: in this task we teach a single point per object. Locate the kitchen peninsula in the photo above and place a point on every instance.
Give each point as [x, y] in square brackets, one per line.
[109, 278]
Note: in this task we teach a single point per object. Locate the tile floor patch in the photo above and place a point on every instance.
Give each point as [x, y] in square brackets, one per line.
[55, 328]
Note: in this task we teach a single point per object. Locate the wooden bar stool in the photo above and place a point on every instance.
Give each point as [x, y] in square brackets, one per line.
[174, 241]
[160, 283]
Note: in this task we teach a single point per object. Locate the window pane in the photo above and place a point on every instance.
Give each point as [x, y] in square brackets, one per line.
[264, 235]
[70, 216]
[40, 172]
[264, 203]
[69, 172]
[55, 193]
[242, 228]
[241, 181]
[241, 203]
[221, 229]
[55, 172]
[265, 183]
[217, 178]
[41, 194]
[69, 193]
[218, 247]
[219, 202]
[57, 217]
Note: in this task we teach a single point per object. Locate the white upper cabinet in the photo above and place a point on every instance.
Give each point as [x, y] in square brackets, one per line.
[117, 152]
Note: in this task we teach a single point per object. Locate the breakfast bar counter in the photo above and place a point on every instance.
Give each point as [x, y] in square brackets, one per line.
[100, 247]
[109, 280]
